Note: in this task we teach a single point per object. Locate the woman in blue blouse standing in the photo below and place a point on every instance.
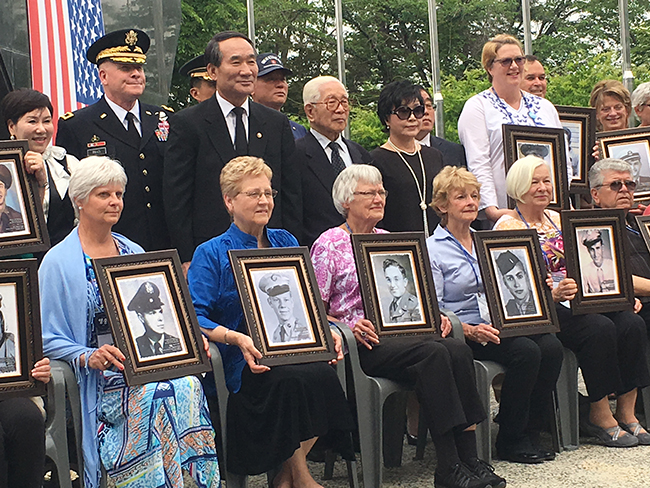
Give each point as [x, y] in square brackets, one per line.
[533, 363]
[275, 414]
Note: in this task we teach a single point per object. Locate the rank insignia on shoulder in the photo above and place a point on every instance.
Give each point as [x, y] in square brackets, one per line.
[67, 115]
[147, 112]
[169, 109]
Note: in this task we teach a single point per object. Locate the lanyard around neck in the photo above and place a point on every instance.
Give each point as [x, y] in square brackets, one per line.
[468, 257]
[531, 113]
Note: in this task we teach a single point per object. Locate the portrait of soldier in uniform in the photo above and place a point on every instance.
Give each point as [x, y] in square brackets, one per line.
[285, 327]
[7, 346]
[598, 275]
[404, 305]
[516, 279]
[155, 341]
[11, 220]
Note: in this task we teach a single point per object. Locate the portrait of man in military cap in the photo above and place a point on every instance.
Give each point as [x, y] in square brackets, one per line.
[397, 289]
[282, 307]
[597, 268]
[147, 306]
[11, 220]
[515, 286]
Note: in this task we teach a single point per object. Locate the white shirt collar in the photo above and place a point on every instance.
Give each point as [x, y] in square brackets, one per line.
[120, 113]
[324, 141]
[426, 140]
[226, 106]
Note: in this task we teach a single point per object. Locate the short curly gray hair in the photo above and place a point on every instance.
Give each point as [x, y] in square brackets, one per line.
[596, 176]
[346, 184]
[640, 95]
[93, 172]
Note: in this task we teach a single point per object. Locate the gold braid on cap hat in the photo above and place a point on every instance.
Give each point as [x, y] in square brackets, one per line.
[201, 74]
[123, 54]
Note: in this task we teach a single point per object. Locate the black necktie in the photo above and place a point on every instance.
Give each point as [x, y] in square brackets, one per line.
[157, 348]
[134, 135]
[337, 160]
[241, 144]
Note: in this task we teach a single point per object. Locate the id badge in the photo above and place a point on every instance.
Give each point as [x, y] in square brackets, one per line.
[483, 309]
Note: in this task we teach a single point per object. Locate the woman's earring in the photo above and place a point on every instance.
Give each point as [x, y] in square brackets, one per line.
[13, 137]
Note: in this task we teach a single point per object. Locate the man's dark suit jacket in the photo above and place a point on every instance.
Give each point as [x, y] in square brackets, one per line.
[199, 147]
[170, 344]
[452, 154]
[318, 175]
[96, 127]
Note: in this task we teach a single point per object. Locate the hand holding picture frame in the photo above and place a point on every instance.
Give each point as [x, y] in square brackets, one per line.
[514, 276]
[20, 329]
[594, 247]
[284, 312]
[22, 222]
[396, 284]
[151, 316]
[547, 143]
[579, 124]
[633, 146]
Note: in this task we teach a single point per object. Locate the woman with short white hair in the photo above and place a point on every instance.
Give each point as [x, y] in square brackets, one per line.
[144, 434]
[641, 103]
[442, 370]
[610, 347]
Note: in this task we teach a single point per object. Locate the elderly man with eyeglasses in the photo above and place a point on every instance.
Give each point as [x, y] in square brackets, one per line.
[323, 153]
[612, 186]
[641, 103]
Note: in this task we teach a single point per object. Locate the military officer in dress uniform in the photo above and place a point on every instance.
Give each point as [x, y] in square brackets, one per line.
[202, 86]
[147, 305]
[289, 328]
[123, 128]
[404, 307]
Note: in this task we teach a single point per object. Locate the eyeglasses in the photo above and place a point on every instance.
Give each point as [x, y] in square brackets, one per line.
[257, 194]
[404, 113]
[372, 193]
[332, 104]
[616, 185]
[619, 107]
[506, 62]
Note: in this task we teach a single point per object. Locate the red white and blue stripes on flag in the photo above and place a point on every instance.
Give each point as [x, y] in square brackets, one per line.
[60, 32]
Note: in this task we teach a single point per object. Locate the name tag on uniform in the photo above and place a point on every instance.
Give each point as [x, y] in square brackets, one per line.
[97, 148]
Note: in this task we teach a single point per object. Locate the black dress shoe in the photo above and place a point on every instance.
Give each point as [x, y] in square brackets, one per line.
[459, 476]
[412, 440]
[485, 471]
[523, 457]
[546, 455]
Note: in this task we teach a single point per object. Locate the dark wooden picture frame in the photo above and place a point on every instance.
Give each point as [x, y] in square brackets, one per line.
[592, 236]
[633, 146]
[643, 221]
[28, 232]
[398, 261]
[21, 319]
[282, 305]
[138, 288]
[581, 124]
[509, 259]
[551, 141]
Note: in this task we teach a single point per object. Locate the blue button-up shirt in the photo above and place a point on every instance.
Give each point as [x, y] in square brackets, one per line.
[456, 276]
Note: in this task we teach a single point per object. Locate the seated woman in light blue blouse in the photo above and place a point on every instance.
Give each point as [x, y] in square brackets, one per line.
[533, 363]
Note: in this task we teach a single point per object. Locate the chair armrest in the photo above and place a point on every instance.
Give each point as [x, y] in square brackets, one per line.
[456, 324]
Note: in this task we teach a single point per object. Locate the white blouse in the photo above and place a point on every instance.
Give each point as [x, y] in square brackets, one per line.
[479, 129]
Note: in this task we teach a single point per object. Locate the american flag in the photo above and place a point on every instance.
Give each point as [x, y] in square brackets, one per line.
[60, 32]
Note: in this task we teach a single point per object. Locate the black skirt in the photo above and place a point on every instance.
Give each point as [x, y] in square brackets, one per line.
[274, 412]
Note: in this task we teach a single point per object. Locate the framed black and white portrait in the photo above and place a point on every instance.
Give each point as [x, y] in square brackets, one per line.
[594, 245]
[284, 312]
[21, 343]
[22, 222]
[547, 143]
[151, 316]
[514, 276]
[396, 283]
[579, 124]
[633, 146]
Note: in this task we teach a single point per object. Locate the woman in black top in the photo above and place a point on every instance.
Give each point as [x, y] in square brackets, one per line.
[407, 167]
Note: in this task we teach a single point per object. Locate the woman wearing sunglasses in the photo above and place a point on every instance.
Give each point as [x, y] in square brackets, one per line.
[480, 123]
[407, 167]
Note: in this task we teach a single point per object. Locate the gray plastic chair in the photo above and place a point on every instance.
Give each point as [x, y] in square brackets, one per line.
[56, 437]
[645, 393]
[567, 402]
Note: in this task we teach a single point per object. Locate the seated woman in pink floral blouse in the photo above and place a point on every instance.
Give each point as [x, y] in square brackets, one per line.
[441, 370]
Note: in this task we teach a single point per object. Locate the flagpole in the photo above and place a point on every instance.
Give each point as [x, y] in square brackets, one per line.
[628, 76]
[250, 10]
[340, 51]
[435, 70]
[525, 10]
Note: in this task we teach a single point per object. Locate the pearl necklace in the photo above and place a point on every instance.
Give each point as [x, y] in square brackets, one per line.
[421, 189]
